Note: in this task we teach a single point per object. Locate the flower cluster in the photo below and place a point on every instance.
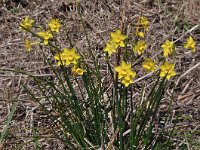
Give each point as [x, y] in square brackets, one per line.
[116, 40]
[66, 57]
[54, 26]
[141, 29]
[124, 70]
[167, 69]
[125, 73]
[143, 22]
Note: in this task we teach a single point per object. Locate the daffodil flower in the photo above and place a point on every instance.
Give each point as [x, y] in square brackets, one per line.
[168, 48]
[140, 34]
[70, 56]
[149, 65]
[125, 73]
[67, 57]
[140, 47]
[190, 44]
[45, 35]
[143, 22]
[122, 69]
[118, 38]
[59, 58]
[110, 47]
[27, 23]
[54, 25]
[28, 44]
[128, 78]
[127, 81]
[167, 70]
[78, 71]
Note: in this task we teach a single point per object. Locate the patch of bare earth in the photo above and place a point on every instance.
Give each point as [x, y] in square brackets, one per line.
[168, 20]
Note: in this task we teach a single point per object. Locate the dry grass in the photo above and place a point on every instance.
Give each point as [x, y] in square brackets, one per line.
[169, 19]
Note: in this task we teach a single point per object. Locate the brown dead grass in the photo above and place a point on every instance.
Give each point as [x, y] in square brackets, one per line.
[101, 17]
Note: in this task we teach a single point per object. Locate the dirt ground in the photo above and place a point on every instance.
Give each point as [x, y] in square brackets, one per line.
[174, 19]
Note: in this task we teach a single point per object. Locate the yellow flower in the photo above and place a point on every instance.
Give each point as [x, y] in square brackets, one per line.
[140, 34]
[149, 65]
[140, 47]
[168, 48]
[143, 22]
[126, 81]
[78, 71]
[125, 73]
[118, 38]
[59, 58]
[122, 69]
[54, 25]
[70, 56]
[110, 47]
[27, 45]
[167, 70]
[67, 57]
[190, 44]
[27, 23]
[128, 78]
[46, 35]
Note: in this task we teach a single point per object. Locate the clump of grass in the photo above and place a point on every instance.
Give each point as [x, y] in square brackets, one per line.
[7, 126]
[87, 115]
